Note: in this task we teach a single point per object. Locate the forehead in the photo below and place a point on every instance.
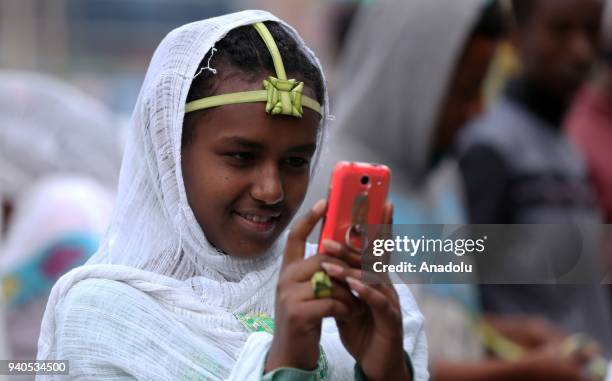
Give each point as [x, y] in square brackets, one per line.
[250, 121]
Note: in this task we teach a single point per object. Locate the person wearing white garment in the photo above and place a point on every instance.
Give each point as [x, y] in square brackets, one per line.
[56, 225]
[197, 277]
[4, 354]
[59, 161]
[48, 126]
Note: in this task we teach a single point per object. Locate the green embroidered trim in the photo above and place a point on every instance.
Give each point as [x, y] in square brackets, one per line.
[323, 372]
[256, 322]
[282, 96]
[264, 323]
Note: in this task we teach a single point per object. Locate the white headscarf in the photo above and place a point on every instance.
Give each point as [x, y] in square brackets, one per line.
[158, 302]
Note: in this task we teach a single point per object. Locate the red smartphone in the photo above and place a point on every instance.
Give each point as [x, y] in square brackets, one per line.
[357, 197]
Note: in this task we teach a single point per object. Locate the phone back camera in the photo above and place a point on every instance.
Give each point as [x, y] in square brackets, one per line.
[365, 180]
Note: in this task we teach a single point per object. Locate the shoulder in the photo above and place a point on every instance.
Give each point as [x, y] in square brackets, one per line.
[108, 329]
[102, 313]
[93, 306]
[100, 293]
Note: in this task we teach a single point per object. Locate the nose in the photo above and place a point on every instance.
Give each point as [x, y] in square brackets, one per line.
[267, 185]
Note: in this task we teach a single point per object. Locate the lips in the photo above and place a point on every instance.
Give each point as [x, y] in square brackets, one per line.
[258, 222]
[256, 218]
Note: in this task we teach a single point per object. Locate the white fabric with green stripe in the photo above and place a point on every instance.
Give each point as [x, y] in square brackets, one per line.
[282, 96]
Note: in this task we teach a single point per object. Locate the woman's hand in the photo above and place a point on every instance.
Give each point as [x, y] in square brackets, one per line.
[528, 331]
[552, 363]
[298, 314]
[373, 333]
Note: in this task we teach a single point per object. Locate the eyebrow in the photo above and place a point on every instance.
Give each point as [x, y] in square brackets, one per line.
[306, 148]
[246, 143]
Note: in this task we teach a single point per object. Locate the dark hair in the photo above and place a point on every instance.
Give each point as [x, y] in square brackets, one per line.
[244, 49]
[522, 10]
[492, 23]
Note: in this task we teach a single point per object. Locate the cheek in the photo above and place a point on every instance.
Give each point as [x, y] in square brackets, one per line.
[295, 190]
[218, 189]
[206, 185]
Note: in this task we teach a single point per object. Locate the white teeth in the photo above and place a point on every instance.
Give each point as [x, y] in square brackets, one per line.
[253, 218]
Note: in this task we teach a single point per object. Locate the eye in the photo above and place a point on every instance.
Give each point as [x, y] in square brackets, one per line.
[240, 158]
[242, 155]
[297, 162]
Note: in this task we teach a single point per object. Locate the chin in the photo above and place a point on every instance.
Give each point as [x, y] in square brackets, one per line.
[250, 250]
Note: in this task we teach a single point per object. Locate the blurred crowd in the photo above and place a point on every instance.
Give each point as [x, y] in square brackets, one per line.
[486, 111]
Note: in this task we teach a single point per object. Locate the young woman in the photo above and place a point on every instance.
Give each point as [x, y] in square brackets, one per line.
[197, 277]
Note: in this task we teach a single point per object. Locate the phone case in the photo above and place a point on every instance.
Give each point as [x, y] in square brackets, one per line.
[357, 197]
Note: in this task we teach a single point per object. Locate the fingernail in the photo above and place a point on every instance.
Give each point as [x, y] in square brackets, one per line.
[331, 268]
[333, 246]
[355, 284]
[319, 206]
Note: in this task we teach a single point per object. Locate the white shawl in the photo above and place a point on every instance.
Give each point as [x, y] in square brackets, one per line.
[158, 302]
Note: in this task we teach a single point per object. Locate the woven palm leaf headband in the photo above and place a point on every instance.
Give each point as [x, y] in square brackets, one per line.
[282, 96]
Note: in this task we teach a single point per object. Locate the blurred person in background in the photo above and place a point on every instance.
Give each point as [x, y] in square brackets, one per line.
[410, 78]
[590, 122]
[341, 15]
[59, 164]
[4, 355]
[519, 168]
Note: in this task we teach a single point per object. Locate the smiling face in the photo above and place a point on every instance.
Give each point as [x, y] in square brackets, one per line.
[246, 172]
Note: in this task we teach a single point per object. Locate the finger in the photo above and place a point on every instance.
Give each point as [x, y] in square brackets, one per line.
[337, 250]
[296, 241]
[317, 309]
[303, 271]
[378, 281]
[388, 215]
[390, 293]
[340, 291]
[340, 273]
[380, 306]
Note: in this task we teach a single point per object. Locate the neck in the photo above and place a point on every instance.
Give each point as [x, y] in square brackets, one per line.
[543, 103]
